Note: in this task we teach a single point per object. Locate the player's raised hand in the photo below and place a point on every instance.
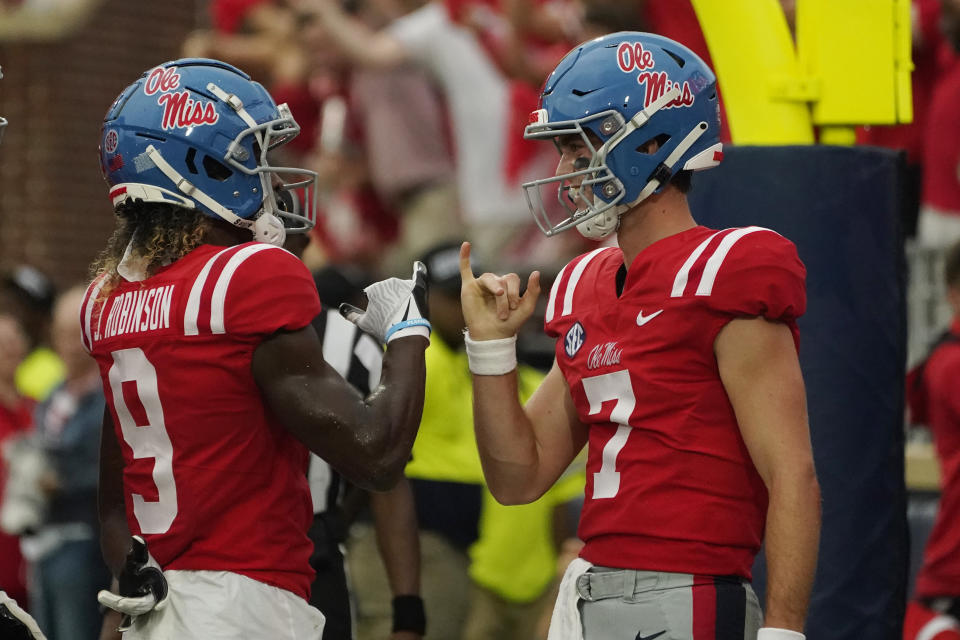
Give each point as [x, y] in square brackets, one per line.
[492, 305]
[395, 308]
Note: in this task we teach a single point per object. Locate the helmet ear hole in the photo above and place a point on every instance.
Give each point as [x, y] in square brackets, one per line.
[216, 170]
[655, 143]
[190, 161]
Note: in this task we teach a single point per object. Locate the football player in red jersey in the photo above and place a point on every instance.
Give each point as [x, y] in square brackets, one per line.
[215, 380]
[676, 363]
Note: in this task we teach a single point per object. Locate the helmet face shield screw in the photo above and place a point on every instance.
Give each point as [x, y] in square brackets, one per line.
[609, 125]
[609, 189]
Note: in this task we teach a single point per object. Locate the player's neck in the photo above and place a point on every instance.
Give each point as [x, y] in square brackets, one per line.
[659, 216]
[223, 234]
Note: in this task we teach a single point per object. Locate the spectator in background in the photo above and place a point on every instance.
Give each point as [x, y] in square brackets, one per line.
[939, 222]
[397, 126]
[28, 294]
[15, 623]
[358, 358]
[259, 36]
[513, 563]
[933, 395]
[65, 566]
[475, 91]
[931, 57]
[15, 420]
[479, 559]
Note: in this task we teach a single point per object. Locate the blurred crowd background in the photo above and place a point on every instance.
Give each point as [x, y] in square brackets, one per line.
[411, 112]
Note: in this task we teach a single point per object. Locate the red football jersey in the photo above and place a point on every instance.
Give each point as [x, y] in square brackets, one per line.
[922, 623]
[670, 484]
[940, 573]
[211, 480]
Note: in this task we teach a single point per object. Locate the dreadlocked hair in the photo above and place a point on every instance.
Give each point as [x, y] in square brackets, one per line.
[157, 233]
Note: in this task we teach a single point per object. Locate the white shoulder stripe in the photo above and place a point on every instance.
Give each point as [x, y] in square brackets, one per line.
[551, 304]
[937, 625]
[680, 282]
[220, 291]
[193, 302]
[93, 291]
[575, 279]
[713, 264]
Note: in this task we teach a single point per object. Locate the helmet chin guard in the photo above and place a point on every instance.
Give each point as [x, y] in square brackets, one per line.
[619, 93]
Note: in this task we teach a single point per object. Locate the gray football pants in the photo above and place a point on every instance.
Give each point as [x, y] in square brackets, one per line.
[622, 604]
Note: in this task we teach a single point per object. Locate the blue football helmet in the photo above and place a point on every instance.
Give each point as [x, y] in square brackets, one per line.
[617, 93]
[196, 133]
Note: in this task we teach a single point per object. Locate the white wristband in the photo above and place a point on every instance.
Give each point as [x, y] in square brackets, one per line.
[491, 357]
[772, 633]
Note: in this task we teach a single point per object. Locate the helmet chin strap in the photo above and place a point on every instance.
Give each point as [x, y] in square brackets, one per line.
[266, 228]
[607, 221]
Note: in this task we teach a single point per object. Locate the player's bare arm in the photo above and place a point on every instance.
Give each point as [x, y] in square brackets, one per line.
[398, 541]
[761, 373]
[368, 440]
[521, 456]
[114, 530]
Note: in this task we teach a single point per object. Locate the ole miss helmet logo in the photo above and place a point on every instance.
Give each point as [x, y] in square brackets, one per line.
[179, 110]
[632, 56]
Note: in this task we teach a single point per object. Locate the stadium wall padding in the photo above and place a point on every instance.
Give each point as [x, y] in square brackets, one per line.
[840, 206]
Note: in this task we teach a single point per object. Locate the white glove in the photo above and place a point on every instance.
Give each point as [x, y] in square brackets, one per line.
[142, 585]
[772, 633]
[15, 623]
[395, 308]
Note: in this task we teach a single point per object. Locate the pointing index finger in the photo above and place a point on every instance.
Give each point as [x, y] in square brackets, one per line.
[466, 271]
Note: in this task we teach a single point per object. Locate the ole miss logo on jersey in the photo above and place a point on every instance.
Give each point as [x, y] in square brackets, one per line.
[179, 110]
[632, 56]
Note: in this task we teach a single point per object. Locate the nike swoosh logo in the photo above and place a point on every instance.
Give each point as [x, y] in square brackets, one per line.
[642, 320]
[651, 637]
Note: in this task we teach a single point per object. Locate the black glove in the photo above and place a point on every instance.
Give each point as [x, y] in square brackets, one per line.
[142, 585]
[15, 623]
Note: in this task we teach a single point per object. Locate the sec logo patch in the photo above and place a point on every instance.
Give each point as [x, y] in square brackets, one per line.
[574, 339]
[110, 141]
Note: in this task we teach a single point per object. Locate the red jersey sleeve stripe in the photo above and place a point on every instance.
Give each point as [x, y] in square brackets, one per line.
[192, 313]
[223, 282]
[709, 276]
[936, 626]
[86, 311]
[575, 279]
[680, 282]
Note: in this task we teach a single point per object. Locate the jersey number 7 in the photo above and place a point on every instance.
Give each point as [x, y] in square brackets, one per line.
[603, 388]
